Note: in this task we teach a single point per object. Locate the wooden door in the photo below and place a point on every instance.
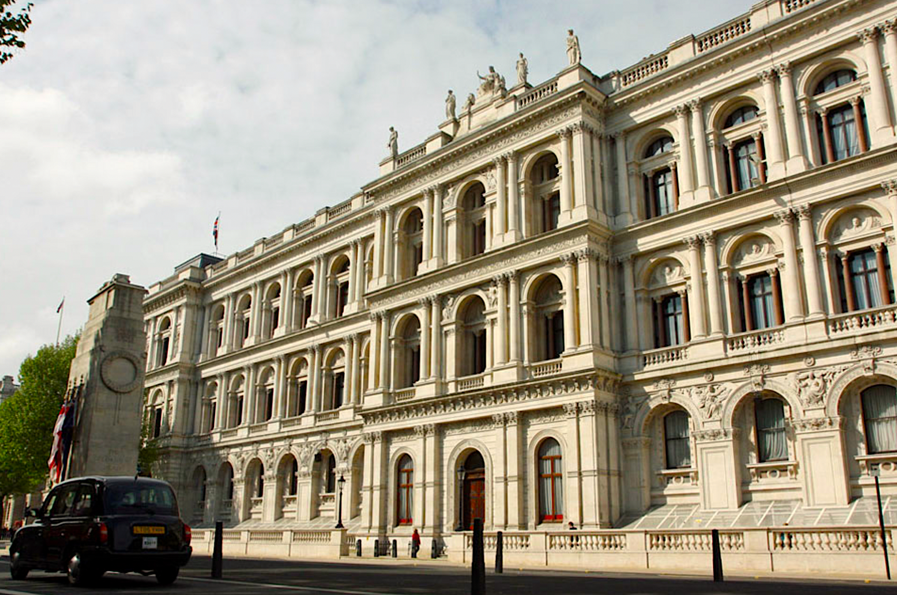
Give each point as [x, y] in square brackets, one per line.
[475, 497]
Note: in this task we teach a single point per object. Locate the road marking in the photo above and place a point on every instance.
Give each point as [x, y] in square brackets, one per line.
[8, 592]
[275, 586]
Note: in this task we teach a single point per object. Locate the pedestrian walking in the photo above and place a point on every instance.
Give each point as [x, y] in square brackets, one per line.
[415, 543]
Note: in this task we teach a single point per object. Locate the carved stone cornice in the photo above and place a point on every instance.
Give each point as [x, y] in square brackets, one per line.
[767, 76]
[716, 434]
[817, 424]
[868, 35]
[784, 216]
[890, 186]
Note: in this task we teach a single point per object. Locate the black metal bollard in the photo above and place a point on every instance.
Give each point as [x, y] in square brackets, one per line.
[499, 554]
[478, 566]
[434, 549]
[395, 548]
[376, 548]
[717, 557]
[217, 557]
[358, 548]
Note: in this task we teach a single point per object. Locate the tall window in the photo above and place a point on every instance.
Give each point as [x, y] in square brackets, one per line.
[761, 298]
[339, 381]
[864, 280]
[245, 310]
[228, 481]
[473, 359]
[330, 471]
[551, 481]
[217, 332]
[269, 403]
[549, 319]
[551, 211]
[660, 146]
[474, 205]
[413, 243]
[880, 418]
[662, 192]
[746, 161]
[165, 341]
[771, 440]
[405, 491]
[669, 324]
[293, 480]
[675, 434]
[157, 422]
[272, 303]
[306, 293]
[260, 482]
[410, 349]
[546, 199]
[834, 80]
[302, 397]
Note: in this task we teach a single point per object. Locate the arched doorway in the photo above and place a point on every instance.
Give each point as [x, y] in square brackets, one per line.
[474, 489]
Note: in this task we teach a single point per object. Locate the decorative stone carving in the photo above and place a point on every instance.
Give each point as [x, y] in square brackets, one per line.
[522, 69]
[450, 101]
[709, 399]
[756, 249]
[813, 385]
[817, 424]
[393, 144]
[714, 434]
[757, 374]
[574, 52]
[867, 354]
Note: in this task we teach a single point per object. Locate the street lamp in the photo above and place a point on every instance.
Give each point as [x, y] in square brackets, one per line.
[876, 471]
[341, 482]
[460, 525]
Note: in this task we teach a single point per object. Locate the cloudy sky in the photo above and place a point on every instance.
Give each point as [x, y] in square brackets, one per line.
[127, 125]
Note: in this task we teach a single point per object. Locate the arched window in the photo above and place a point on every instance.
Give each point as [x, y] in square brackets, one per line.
[341, 272]
[227, 483]
[549, 319]
[293, 483]
[834, 80]
[245, 317]
[474, 206]
[551, 481]
[669, 323]
[413, 244]
[474, 489]
[660, 146]
[405, 491]
[880, 418]
[164, 341]
[865, 279]
[235, 403]
[661, 193]
[305, 289]
[298, 393]
[676, 440]
[259, 488]
[334, 381]
[409, 370]
[772, 443]
[216, 332]
[265, 404]
[209, 409]
[330, 474]
[272, 310]
[741, 115]
[473, 338]
[546, 197]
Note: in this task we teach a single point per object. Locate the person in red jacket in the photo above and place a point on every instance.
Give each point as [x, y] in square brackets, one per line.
[415, 543]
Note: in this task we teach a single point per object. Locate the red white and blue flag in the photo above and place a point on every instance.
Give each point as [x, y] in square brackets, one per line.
[61, 304]
[215, 231]
[56, 454]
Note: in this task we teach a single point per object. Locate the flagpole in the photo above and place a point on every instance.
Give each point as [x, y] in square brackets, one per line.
[59, 327]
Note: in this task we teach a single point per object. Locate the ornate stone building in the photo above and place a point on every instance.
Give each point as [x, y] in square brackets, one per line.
[648, 303]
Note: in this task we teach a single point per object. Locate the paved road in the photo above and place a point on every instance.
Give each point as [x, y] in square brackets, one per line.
[387, 578]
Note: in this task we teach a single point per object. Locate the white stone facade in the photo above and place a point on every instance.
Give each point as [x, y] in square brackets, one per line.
[669, 286]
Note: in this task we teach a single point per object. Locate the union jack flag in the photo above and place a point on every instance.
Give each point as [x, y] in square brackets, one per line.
[215, 231]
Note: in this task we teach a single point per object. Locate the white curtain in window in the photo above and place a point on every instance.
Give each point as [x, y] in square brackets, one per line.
[771, 430]
[880, 413]
[677, 447]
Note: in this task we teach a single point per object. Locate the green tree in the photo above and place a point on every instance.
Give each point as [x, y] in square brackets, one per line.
[28, 416]
[13, 23]
[149, 452]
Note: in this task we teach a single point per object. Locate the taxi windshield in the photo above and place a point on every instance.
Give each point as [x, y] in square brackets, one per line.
[136, 499]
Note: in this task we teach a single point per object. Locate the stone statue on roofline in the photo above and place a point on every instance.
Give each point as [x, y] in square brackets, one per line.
[574, 54]
[468, 103]
[522, 70]
[450, 106]
[491, 83]
[393, 144]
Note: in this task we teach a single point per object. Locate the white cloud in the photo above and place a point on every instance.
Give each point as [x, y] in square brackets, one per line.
[126, 126]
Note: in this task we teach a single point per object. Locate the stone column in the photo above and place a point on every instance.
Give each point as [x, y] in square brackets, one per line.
[428, 225]
[501, 198]
[623, 179]
[629, 304]
[352, 348]
[569, 303]
[701, 162]
[501, 337]
[280, 392]
[796, 160]
[604, 302]
[513, 233]
[255, 330]
[425, 340]
[500, 474]
[431, 482]
[773, 136]
[696, 295]
[514, 316]
[438, 226]
[686, 184]
[713, 291]
[790, 283]
[384, 350]
[374, 350]
[583, 189]
[573, 487]
[879, 118]
[811, 265]
[889, 28]
[318, 290]
[389, 247]
[890, 187]
[858, 117]
[358, 271]
[588, 299]
[353, 266]
[882, 275]
[436, 350]
[378, 485]
[206, 347]
[566, 195]
[286, 302]
[600, 172]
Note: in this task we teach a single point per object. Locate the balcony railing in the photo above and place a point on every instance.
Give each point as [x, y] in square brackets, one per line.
[677, 478]
[841, 539]
[693, 541]
[773, 470]
[755, 339]
[472, 382]
[644, 69]
[548, 368]
[587, 541]
[885, 464]
[665, 355]
[411, 155]
[792, 5]
[864, 319]
[724, 34]
[538, 94]
[405, 394]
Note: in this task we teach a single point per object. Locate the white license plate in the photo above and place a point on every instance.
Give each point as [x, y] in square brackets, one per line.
[150, 543]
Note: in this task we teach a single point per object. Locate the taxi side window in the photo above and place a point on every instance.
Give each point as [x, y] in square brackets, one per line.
[84, 503]
[65, 501]
[49, 503]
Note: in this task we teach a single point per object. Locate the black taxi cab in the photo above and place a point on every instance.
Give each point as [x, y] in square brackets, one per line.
[92, 525]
